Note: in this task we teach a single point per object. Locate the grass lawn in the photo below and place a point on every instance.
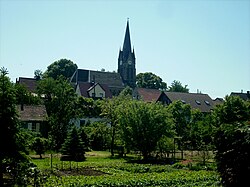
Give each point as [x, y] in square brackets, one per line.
[100, 169]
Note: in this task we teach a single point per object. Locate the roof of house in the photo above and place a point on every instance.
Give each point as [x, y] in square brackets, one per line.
[29, 83]
[198, 101]
[244, 96]
[85, 87]
[109, 78]
[32, 112]
[218, 101]
[148, 95]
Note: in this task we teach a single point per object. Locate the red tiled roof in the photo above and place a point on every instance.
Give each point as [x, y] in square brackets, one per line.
[32, 112]
[149, 95]
[29, 83]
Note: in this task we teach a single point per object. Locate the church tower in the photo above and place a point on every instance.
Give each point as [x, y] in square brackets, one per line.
[126, 61]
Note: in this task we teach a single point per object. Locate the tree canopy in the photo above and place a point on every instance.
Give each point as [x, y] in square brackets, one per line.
[62, 67]
[150, 80]
[176, 86]
[232, 141]
[143, 125]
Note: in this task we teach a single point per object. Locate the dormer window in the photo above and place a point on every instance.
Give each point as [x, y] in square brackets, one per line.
[198, 102]
[207, 103]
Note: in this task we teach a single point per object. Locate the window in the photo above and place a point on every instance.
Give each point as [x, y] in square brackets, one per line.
[30, 126]
[93, 94]
[207, 103]
[101, 94]
[198, 102]
[184, 102]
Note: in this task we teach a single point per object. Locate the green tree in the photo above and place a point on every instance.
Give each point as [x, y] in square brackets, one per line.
[8, 120]
[60, 101]
[232, 141]
[39, 145]
[62, 67]
[73, 146]
[143, 125]
[38, 74]
[176, 86]
[126, 92]
[150, 80]
[110, 112]
[24, 96]
[181, 115]
[99, 135]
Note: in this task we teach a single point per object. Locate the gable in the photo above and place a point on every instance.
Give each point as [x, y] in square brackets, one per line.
[96, 91]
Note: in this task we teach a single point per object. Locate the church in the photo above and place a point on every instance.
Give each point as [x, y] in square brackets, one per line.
[100, 84]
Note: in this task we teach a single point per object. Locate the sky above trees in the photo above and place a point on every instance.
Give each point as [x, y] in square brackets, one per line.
[203, 44]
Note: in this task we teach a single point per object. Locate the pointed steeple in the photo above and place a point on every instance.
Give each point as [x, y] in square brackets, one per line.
[127, 43]
[126, 61]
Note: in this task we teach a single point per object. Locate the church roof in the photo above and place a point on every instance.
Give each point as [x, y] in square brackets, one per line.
[127, 42]
[108, 78]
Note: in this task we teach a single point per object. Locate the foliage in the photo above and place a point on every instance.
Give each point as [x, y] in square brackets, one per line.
[98, 135]
[143, 125]
[38, 74]
[73, 147]
[62, 67]
[24, 96]
[232, 141]
[40, 145]
[110, 112]
[60, 101]
[176, 86]
[8, 120]
[25, 139]
[88, 107]
[11, 154]
[126, 92]
[120, 172]
[181, 114]
[150, 80]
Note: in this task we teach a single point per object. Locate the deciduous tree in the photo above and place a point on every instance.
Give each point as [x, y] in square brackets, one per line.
[150, 80]
[62, 67]
[176, 86]
[143, 125]
[232, 141]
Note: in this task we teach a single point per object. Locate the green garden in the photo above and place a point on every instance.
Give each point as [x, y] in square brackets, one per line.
[100, 169]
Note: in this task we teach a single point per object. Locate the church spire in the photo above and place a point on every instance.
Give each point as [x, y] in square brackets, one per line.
[127, 43]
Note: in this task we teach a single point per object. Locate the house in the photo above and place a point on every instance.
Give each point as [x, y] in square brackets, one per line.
[196, 100]
[29, 83]
[93, 90]
[150, 95]
[33, 117]
[244, 96]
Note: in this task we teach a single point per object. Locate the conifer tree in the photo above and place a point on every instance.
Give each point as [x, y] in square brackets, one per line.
[73, 147]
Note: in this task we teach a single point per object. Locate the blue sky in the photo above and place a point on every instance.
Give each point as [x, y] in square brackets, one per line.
[203, 44]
